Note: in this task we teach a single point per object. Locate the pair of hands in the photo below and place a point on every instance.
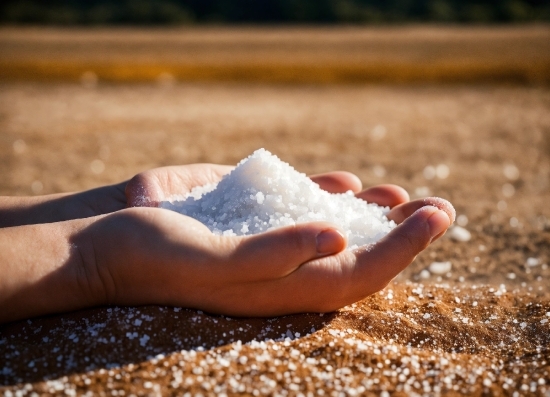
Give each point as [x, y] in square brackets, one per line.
[146, 255]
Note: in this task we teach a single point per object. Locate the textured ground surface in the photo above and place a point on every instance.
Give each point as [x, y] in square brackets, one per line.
[482, 329]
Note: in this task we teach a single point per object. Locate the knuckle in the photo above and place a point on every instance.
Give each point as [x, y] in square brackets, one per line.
[296, 240]
[410, 241]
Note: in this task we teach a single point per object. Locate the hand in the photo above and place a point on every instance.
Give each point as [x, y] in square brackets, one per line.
[150, 255]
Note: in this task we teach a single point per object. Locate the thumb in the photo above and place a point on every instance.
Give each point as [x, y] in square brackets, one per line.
[279, 252]
[383, 261]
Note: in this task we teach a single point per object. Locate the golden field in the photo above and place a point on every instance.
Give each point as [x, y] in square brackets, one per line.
[284, 55]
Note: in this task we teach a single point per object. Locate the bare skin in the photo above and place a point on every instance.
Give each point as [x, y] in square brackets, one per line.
[65, 252]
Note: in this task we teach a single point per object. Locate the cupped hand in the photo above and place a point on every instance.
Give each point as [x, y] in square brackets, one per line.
[150, 255]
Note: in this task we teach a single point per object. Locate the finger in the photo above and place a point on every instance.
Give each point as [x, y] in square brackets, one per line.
[338, 280]
[377, 266]
[385, 195]
[277, 253]
[401, 212]
[338, 181]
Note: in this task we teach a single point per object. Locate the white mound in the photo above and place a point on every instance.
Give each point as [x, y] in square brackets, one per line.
[263, 193]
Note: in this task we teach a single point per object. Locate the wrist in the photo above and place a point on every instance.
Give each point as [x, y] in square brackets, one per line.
[18, 211]
[46, 269]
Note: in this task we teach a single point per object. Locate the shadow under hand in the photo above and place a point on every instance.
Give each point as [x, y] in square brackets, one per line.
[55, 346]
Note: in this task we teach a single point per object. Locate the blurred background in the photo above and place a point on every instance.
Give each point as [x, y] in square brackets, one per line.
[443, 97]
[147, 12]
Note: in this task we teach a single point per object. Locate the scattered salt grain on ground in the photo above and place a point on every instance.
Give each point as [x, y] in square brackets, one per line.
[458, 233]
[532, 262]
[440, 268]
[462, 220]
[263, 193]
[425, 340]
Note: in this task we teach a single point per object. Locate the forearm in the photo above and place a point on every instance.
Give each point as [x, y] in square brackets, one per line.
[17, 211]
[43, 270]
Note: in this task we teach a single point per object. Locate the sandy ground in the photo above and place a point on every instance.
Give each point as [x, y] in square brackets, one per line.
[483, 328]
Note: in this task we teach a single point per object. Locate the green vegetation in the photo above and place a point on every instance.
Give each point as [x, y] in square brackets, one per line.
[162, 12]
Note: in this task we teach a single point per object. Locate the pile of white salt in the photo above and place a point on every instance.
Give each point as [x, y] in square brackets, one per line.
[263, 193]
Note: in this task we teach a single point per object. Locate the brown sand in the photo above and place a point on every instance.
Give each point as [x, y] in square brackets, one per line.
[481, 329]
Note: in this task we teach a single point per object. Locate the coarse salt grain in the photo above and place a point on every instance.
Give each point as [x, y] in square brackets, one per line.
[264, 193]
[424, 274]
[458, 233]
[440, 267]
[532, 262]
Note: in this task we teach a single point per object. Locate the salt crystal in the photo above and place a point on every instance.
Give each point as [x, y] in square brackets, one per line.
[379, 171]
[422, 191]
[511, 172]
[424, 274]
[532, 262]
[458, 233]
[442, 171]
[429, 172]
[440, 267]
[508, 190]
[263, 193]
[462, 220]
[378, 132]
[144, 339]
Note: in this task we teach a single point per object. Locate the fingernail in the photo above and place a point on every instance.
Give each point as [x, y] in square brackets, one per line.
[438, 222]
[330, 241]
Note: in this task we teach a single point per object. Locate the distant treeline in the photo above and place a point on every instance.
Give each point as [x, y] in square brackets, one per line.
[161, 12]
